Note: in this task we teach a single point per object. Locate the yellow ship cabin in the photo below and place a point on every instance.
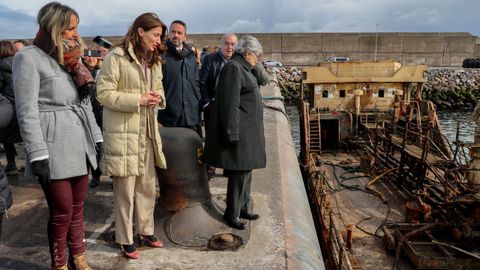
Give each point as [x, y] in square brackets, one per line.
[346, 97]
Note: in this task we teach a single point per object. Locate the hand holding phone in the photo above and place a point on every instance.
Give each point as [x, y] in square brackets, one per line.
[92, 53]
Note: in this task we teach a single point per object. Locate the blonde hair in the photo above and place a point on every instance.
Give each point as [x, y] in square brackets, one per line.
[54, 18]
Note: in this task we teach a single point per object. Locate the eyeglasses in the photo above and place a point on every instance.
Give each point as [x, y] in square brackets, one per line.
[227, 44]
[257, 56]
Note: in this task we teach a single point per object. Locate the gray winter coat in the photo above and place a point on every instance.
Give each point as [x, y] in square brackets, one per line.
[6, 112]
[235, 138]
[52, 120]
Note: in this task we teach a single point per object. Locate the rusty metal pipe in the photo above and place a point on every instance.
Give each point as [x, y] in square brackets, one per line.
[388, 239]
[349, 237]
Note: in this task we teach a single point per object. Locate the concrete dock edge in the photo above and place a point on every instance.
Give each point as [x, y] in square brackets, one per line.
[302, 249]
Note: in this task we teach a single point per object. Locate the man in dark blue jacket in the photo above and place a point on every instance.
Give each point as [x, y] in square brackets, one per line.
[180, 81]
[211, 66]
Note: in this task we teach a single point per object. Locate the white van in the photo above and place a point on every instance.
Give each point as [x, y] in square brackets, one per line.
[338, 59]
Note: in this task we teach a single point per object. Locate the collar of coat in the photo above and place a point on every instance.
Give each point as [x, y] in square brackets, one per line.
[242, 61]
[186, 50]
[120, 51]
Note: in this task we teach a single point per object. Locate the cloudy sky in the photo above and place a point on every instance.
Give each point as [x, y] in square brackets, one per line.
[112, 17]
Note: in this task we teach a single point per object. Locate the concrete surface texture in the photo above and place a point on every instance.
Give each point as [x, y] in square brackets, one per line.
[283, 238]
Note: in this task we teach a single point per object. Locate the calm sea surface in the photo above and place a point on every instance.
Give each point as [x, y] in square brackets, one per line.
[448, 121]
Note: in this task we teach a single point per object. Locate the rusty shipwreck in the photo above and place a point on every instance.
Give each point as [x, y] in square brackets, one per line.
[386, 187]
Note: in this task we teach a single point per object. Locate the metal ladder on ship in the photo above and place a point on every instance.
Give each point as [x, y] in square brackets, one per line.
[314, 133]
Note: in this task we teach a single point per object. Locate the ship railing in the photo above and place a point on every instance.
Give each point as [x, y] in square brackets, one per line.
[440, 168]
[437, 143]
[429, 173]
[458, 149]
[422, 114]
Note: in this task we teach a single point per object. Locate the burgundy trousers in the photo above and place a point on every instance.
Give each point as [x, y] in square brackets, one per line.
[65, 199]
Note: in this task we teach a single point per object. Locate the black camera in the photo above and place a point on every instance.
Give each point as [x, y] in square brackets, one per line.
[92, 53]
[102, 42]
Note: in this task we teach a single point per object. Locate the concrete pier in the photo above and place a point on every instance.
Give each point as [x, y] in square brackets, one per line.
[283, 238]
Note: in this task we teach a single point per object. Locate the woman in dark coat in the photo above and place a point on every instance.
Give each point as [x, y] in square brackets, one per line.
[235, 139]
[6, 111]
[10, 134]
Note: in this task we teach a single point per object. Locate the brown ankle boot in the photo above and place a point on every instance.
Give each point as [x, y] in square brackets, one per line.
[80, 262]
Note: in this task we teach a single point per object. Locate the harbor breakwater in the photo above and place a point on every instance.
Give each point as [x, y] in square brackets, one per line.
[457, 89]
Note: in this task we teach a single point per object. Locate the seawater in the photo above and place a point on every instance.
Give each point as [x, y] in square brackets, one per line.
[292, 112]
[450, 120]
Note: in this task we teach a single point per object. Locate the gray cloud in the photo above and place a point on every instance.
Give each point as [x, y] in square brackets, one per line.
[15, 23]
[17, 19]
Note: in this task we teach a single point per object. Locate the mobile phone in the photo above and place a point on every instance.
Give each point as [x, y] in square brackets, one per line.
[102, 42]
[92, 53]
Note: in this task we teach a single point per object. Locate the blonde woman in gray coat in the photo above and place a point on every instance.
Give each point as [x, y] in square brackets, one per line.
[52, 90]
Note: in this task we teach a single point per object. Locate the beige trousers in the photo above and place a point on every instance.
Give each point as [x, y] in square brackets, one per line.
[135, 194]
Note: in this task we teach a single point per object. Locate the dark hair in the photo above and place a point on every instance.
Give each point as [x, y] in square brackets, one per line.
[6, 49]
[23, 41]
[146, 21]
[181, 23]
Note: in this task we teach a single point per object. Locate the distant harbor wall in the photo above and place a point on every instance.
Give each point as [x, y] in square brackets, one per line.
[440, 49]
[299, 49]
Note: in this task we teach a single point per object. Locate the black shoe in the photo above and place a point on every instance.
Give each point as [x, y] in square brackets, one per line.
[150, 241]
[250, 216]
[95, 181]
[11, 169]
[235, 223]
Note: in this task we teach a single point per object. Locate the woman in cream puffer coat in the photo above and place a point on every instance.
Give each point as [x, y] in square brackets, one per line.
[120, 84]
[129, 85]
[124, 120]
